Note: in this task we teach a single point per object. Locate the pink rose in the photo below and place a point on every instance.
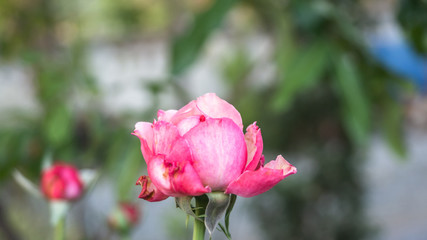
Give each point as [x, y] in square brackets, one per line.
[201, 148]
[124, 217]
[61, 182]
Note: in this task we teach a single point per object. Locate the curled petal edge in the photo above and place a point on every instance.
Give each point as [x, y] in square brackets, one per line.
[254, 146]
[252, 183]
[144, 131]
[166, 115]
[215, 107]
[149, 191]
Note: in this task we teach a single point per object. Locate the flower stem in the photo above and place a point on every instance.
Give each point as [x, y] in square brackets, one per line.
[60, 229]
[199, 226]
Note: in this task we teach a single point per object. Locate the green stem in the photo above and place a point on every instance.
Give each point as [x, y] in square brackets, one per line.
[60, 229]
[126, 237]
[199, 226]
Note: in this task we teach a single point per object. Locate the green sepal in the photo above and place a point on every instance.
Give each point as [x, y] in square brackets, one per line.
[233, 199]
[185, 204]
[225, 231]
[26, 184]
[58, 211]
[216, 209]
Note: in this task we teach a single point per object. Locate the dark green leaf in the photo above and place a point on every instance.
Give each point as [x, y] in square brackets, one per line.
[225, 231]
[58, 125]
[355, 108]
[303, 72]
[392, 123]
[185, 204]
[187, 46]
[233, 199]
[216, 209]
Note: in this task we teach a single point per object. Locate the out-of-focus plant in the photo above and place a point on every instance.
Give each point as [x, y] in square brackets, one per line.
[61, 185]
[49, 40]
[411, 16]
[124, 218]
[327, 98]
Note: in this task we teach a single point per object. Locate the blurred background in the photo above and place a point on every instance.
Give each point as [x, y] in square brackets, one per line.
[337, 87]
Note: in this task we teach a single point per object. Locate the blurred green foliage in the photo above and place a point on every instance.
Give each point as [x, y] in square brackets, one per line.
[326, 98]
[414, 21]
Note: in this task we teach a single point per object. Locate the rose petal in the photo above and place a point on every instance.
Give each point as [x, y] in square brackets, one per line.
[215, 107]
[171, 171]
[252, 183]
[175, 178]
[188, 110]
[61, 182]
[166, 115]
[184, 179]
[159, 175]
[188, 123]
[281, 163]
[219, 151]
[254, 145]
[165, 134]
[149, 191]
[144, 131]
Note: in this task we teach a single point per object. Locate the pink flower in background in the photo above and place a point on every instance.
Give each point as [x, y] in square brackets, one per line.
[124, 217]
[61, 182]
[202, 148]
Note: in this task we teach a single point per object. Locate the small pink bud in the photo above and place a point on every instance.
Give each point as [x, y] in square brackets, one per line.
[124, 217]
[61, 182]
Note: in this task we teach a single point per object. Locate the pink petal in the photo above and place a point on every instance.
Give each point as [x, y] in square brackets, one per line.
[254, 145]
[219, 151]
[165, 134]
[166, 115]
[184, 179]
[188, 123]
[159, 175]
[188, 110]
[149, 191]
[172, 171]
[281, 163]
[144, 131]
[176, 177]
[252, 183]
[215, 107]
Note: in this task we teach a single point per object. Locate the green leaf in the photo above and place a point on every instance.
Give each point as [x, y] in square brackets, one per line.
[26, 184]
[58, 211]
[392, 124]
[224, 230]
[303, 72]
[216, 209]
[355, 108]
[129, 167]
[88, 177]
[233, 199]
[185, 204]
[237, 67]
[58, 125]
[187, 46]
[47, 160]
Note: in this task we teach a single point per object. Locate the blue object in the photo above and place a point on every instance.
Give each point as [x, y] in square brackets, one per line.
[391, 49]
[401, 59]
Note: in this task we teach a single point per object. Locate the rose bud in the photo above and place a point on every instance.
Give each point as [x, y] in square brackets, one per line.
[202, 148]
[61, 182]
[124, 217]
